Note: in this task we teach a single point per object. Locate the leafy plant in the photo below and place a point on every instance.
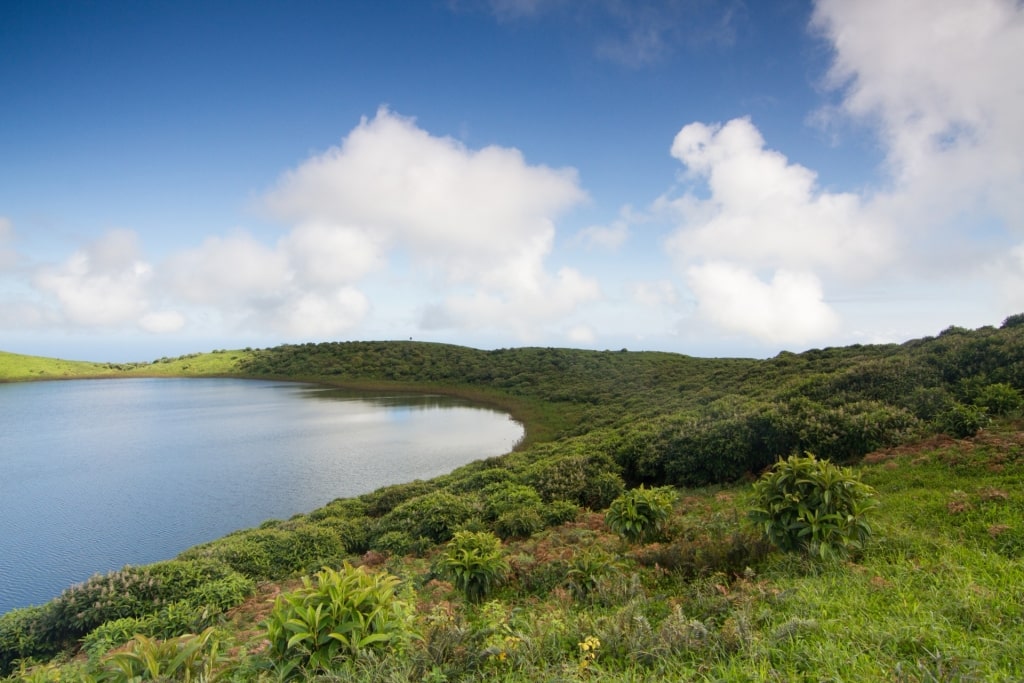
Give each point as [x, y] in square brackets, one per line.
[962, 421]
[999, 399]
[640, 514]
[337, 615]
[811, 505]
[186, 658]
[475, 562]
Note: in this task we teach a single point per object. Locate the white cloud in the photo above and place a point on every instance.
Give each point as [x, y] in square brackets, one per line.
[939, 82]
[476, 223]
[232, 272]
[162, 322]
[582, 334]
[764, 211]
[1008, 274]
[789, 309]
[297, 287]
[8, 257]
[101, 285]
[609, 237]
[654, 294]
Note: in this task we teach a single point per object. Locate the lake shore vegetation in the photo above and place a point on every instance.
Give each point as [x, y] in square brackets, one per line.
[851, 513]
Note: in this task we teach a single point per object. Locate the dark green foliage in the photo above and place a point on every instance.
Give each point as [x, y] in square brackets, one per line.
[999, 399]
[519, 523]
[22, 636]
[386, 499]
[475, 562]
[435, 516]
[130, 592]
[640, 514]
[394, 542]
[811, 505]
[562, 511]
[962, 421]
[1016, 320]
[284, 548]
[177, 594]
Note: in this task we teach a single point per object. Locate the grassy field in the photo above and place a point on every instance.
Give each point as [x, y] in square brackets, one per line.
[16, 367]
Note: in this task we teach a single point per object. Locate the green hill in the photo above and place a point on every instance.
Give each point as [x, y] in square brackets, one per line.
[935, 594]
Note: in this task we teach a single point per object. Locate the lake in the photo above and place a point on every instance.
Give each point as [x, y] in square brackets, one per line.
[97, 474]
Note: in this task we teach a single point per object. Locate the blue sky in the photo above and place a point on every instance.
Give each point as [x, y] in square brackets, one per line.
[716, 178]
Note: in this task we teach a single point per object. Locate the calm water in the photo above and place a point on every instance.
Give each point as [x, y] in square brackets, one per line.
[96, 474]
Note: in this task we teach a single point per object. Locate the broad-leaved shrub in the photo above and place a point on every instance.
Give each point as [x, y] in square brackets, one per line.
[640, 514]
[336, 616]
[475, 562]
[810, 505]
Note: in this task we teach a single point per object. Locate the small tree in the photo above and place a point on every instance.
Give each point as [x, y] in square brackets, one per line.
[810, 505]
[640, 514]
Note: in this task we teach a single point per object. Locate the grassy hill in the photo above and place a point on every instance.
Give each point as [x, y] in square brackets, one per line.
[934, 595]
[20, 368]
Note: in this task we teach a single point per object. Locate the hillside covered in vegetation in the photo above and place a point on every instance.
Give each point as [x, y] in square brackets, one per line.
[616, 543]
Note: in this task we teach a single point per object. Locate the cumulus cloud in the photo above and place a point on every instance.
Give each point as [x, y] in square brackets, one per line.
[764, 211]
[788, 309]
[749, 209]
[102, 285]
[476, 223]
[938, 82]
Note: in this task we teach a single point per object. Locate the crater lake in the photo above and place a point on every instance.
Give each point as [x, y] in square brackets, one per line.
[97, 474]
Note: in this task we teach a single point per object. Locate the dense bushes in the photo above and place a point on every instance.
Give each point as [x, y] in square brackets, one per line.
[159, 598]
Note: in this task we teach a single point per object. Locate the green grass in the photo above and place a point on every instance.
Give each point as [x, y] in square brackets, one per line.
[16, 367]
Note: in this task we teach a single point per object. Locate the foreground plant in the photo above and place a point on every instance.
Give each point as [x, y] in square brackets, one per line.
[640, 514]
[337, 616]
[810, 505]
[475, 562]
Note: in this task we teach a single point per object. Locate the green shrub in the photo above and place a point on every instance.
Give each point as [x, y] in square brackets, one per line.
[962, 421]
[520, 523]
[503, 497]
[810, 505]
[600, 490]
[175, 619]
[640, 514]
[435, 516]
[22, 637]
[999, 399]
[386, 499]
[393, 542]
[241, 550]
[336, 616]
[561, 511]
[475, 563]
